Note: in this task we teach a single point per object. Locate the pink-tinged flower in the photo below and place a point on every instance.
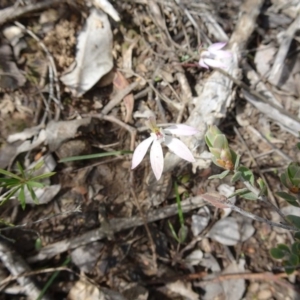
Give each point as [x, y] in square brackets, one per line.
[213, 56]
[159, 136]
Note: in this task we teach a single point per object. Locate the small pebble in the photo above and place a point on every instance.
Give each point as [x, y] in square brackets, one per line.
[264, 295]
[253, 288]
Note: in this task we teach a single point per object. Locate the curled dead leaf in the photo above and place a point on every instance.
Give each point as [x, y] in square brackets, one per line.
[215, 199]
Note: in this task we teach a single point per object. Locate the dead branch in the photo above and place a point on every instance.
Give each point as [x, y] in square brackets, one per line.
[17, 265]
[13, 12]
[117, 225]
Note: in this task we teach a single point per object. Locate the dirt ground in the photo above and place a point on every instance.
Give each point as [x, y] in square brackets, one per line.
[102, 230]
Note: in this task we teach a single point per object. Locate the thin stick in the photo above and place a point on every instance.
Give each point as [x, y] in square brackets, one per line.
[117, 225]
[52, 70]
[119, 97]
[142, 215]
[77, 209]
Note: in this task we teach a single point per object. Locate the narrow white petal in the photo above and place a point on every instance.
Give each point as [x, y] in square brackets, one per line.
[223, 54]
[179, 148]
[140, 152]
[157, 159]
[214, 63]
[216, 46]
[181, 129]
[202, 64]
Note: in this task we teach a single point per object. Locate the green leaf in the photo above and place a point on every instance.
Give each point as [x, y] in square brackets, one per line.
[247, 174]
[236, 177]
[35, 184]
[288, 268]
[185, 178]
[178, 201]
[249, 196]
[284, 247]
[9, 174]
[277, 253]
[21, 169]
[262, 187]
[294, 260]
[22, 197]
[32, 194]
[173, 231]
[236, 160]
[42, 176]
[296, 248]
[295, 220]
[297, 235]
[38, 165]
[9, 195]
[245, 193]
[298, 146]
[182, 234]
[220, 176]
[288, 198]
[38, 244]
[7, 182]
[92, 156]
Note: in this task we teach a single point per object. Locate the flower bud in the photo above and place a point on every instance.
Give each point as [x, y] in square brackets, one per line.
[217, 143]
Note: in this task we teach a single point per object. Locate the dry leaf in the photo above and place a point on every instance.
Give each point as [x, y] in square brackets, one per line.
[120, 82]
[10, 76]
[94, 55]
[215, 199]
[6, 105]
[58, 132]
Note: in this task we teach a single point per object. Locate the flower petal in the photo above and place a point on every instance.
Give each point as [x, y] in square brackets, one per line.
[214, 63]
[216, 46]
[181, 129]
[179, 148]
[223, 54]
[157, 159]
[140, 152]
[202, 64]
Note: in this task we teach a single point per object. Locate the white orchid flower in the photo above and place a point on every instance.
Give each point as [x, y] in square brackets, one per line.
[213, 56]
[159, 136]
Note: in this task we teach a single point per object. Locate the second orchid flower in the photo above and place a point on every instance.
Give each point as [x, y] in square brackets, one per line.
[213, 56]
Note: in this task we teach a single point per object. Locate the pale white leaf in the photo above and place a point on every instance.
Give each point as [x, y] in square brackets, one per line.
[94, 55]
[108, 8]
[44, 195]
[58, 132]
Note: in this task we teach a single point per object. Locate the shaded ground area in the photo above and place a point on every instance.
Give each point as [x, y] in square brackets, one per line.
[75, 81]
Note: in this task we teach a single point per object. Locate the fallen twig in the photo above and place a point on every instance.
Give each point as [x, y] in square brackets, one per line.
[13, 12]
[17, 265]
[117, 225]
